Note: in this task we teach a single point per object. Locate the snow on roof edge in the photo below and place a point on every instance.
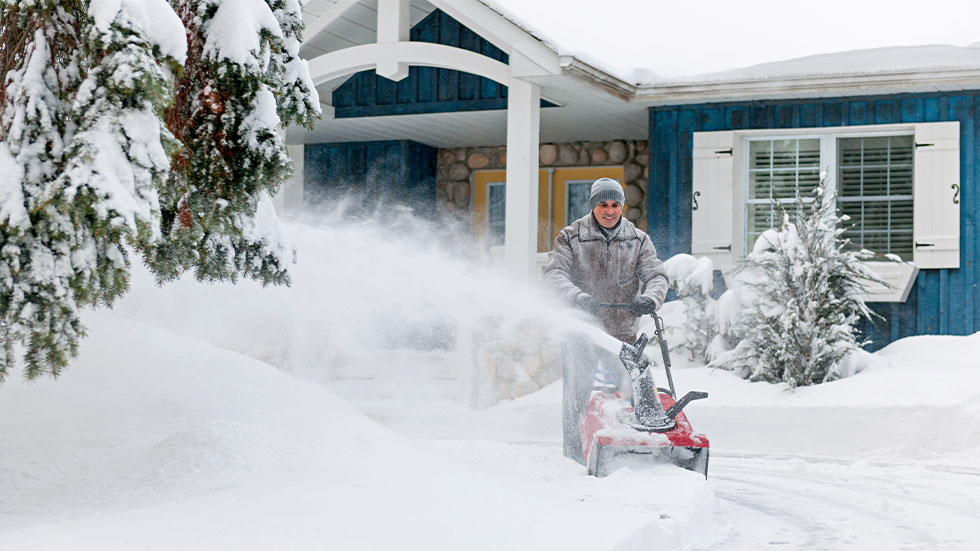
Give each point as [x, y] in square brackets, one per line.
[890, 60]
[852, 63]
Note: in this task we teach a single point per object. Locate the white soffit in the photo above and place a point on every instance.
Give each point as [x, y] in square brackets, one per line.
[585, 114]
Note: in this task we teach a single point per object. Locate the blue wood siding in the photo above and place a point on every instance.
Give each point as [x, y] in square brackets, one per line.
[400, 171]
[941, 301]
[426, 89]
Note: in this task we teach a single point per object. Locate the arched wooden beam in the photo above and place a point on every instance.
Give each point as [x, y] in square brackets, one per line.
[372, 56]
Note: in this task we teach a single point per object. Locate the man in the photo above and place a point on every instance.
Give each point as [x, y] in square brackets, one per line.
[602, 259]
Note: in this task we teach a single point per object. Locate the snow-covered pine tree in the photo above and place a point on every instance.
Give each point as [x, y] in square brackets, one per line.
[80, 128]
[119, 155]
[37, 302]
[87, 164]
[297, 97]
[217, 212]
[808, 285]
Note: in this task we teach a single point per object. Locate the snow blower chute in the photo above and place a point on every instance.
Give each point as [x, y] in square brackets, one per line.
[650, 424]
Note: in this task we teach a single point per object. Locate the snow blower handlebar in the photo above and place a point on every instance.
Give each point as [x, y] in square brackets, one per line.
[659, 324]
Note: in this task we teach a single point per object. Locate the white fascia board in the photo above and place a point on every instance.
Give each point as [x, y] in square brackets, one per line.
[502, 33]
[314, 26]
[808, 87]
[576, 68]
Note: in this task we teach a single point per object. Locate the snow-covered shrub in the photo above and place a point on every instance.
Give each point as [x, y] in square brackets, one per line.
[800, 295]
[693, 280]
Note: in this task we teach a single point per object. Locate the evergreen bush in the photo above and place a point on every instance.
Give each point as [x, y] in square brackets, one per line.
[808, 282]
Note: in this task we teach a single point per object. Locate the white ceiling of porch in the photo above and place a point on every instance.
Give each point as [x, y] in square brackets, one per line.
[585, 112]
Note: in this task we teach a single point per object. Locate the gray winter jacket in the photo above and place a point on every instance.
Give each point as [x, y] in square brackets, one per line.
[613, 272]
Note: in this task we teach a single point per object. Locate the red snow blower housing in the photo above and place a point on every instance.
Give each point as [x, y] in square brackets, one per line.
[650, 423]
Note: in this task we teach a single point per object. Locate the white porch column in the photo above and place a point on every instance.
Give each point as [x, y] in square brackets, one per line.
[523, 125]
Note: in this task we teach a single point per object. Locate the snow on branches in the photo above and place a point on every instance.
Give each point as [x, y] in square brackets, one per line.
[138, 124]
[693, 280]
[801, 294]
[242, 82]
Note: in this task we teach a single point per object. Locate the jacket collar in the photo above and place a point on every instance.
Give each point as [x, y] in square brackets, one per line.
[589, 230]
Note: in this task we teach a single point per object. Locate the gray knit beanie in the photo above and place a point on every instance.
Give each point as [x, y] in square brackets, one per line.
[606, 189]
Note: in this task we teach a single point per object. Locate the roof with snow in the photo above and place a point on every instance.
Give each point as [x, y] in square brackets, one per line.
[595, 79]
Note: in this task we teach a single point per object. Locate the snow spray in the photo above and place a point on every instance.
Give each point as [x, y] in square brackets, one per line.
[384, 283]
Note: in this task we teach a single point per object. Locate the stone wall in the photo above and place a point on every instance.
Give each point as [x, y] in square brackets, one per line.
[454, 187]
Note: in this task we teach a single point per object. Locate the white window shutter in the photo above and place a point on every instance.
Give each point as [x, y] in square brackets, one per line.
[936, 226]
[712, 232]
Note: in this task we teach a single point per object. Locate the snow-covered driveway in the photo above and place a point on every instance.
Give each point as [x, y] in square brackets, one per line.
[870, 489]
[815, 504]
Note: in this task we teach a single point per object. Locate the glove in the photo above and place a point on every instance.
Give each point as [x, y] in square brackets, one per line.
[587, 302]
[642, 306]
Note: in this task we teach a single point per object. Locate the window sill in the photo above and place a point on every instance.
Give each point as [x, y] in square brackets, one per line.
[900, 275]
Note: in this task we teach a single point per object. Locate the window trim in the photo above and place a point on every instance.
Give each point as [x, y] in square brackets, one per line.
[828, 150]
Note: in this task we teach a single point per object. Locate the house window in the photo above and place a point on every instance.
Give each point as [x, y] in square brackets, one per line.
[898, 184]
[874, 181]
[779, 171]
[872, 176]
[496, 213]
[577, 199]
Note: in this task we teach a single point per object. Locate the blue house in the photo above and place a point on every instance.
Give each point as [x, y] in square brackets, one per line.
[455, 108]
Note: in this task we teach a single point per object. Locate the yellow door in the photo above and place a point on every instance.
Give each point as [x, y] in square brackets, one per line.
[568, 189]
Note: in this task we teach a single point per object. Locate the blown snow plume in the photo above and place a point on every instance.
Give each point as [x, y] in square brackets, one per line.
[374, 286]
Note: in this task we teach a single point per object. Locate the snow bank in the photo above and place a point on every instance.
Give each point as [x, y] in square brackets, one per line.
[168, 432]
[898, 408]
[154, 441]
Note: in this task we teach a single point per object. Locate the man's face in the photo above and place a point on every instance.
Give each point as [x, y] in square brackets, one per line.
[608, 213]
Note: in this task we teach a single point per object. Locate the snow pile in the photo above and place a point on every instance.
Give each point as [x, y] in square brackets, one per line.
[161, 436]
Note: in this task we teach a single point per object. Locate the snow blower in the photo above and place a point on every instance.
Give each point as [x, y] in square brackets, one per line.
[648, 425]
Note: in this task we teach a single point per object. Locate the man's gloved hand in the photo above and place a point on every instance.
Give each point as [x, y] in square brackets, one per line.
[587, 302]
[642, 305]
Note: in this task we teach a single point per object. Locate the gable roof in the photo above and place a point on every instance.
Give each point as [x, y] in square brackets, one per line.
[597, 101]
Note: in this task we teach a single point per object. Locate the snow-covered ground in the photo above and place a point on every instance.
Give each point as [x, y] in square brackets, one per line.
[332, 415]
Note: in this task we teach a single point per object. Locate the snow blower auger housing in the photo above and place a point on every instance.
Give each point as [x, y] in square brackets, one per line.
[649, 425]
